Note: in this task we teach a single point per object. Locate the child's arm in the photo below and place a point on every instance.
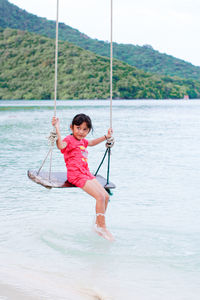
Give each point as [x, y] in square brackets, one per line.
[60, 144]
[101, 139]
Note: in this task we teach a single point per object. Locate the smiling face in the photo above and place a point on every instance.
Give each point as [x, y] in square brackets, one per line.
[80, 131]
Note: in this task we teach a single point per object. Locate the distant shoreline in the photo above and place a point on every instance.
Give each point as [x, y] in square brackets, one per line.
[102, 100]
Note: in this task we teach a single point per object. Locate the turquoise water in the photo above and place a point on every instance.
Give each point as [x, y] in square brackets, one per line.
[47, 244]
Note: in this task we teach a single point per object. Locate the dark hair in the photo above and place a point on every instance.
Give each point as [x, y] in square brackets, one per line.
[80, 118]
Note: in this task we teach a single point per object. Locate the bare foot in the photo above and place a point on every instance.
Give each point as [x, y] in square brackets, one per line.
[104, 232]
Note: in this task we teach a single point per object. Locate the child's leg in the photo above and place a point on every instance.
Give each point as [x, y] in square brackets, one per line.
[104, 192]
[93, 188]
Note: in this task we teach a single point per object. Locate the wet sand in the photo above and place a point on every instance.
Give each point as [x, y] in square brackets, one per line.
[8, 292]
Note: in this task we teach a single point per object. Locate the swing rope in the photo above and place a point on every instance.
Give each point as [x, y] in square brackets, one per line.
[111, 59]
[53, 136]
[110, 142]
[56, 60]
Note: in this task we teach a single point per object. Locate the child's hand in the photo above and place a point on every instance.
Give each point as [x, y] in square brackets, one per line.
[55, 122]
[109, 134]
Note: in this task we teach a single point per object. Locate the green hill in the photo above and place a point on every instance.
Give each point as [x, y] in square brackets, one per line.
[27, 72]
[144, 58]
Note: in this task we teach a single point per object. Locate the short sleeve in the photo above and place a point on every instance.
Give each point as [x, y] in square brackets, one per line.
[86, 143]
[67, 140]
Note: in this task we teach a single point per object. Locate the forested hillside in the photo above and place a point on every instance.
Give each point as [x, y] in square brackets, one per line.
[27, 72]
[145, 57]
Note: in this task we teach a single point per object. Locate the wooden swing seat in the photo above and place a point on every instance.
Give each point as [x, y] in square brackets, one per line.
[59, 180]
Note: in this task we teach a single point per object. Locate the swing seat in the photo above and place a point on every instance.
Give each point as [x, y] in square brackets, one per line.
[59, 180]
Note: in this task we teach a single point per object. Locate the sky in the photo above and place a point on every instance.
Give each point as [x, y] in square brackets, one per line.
[169, 26]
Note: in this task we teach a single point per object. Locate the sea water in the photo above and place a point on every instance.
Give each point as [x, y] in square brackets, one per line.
[48, 247]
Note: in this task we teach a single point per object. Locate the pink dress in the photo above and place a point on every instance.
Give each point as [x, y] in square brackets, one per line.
[75, 156]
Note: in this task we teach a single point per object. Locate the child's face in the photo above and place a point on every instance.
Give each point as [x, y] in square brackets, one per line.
[80, 131]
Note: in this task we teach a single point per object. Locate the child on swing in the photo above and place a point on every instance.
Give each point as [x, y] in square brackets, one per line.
[75, 154]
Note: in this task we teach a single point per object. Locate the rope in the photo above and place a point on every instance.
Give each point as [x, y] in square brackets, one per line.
[56, 60]
[52, 139]
[108, 170]
[53, 136]
[38, 172]
[111, 59]
[110, 142]
[101, 163]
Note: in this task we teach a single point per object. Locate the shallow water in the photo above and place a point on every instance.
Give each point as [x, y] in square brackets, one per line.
[47, 244]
